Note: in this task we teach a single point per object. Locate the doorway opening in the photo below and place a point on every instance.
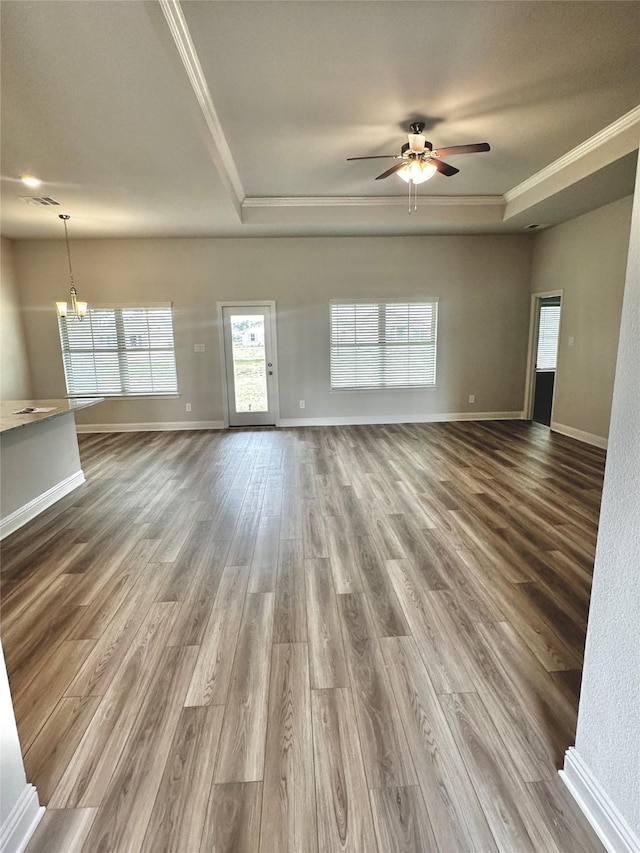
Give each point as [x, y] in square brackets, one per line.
[543, 358]
[249, 363]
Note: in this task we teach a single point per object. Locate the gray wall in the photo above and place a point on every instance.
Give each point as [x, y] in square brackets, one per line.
[608, 736]
[482, 282]
[587, 257]
[12, 776]
[15, 381]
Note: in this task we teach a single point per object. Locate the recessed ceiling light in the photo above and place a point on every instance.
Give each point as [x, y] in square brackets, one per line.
[30, 180]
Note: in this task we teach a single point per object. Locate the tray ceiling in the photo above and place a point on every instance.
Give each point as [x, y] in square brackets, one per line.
[236, 118]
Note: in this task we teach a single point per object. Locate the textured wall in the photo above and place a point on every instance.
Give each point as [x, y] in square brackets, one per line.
[608, 736]
[12, 777]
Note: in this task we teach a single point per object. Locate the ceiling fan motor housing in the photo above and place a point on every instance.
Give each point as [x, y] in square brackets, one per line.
[417, 143]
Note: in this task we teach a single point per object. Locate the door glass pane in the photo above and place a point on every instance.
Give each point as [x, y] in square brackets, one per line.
[249, 369]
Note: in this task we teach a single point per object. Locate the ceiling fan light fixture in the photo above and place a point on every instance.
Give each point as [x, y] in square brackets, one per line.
[417, 172]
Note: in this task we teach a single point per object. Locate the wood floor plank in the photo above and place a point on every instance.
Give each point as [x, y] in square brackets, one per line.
[556, 808]
[401, 821]
[264, 563]
[212, 673]
[291, 520]
[313, 529]
[232, 824]
[62, 831]
[495, 779]
[386, 611]
[195, 610]
[132, 790]
[47, 758]
[523, 731]
[387, 759]
[177, 821]
[455, 813]
[327, 659]
[290, 620]
[244, 729]
[88, 773]
[32, 708]
[289, 800]
[434, 632]
[345, 823]
[342, 557]
[110, 650]
[543, 703]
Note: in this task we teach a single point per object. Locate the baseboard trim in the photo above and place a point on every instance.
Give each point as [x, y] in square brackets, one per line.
[355, 420]
[611, 828]
[579, 435]
[30, 510]
[169, 426]
[348, 420]
[22, 821]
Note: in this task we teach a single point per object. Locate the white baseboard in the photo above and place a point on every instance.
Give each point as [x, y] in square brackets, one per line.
[349, 420]
[353, 420]
[579, 435]
[169, 426]
[25, 513]
[22, 821]
[611, 828]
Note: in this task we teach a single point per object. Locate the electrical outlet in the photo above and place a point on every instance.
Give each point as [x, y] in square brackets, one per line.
[187, 407]
[198, 347]
[571, 341]
[302, 404]
[472, 398]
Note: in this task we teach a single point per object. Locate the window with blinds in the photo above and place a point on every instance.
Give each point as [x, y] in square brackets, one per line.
[383, 344]
[548, 332]
[115, 352]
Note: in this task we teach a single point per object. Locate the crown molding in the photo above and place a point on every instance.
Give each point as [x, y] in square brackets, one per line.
[628, 121]
[219, 148]
[370, 201]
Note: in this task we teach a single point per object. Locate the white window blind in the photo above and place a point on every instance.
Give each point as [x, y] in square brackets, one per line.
[548, 331]
[383, 344]
[119, 351]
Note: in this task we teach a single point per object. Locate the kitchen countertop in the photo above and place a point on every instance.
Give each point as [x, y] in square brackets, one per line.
[9, 421]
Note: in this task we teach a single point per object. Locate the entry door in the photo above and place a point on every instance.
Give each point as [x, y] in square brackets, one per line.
[546, 357]
[249, 364]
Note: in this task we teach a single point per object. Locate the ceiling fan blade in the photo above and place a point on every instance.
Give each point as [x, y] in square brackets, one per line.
[393, 169]
[375, 157]
[444, 168]
[462, 149]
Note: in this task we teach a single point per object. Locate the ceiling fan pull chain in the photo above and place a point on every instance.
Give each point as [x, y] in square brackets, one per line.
[410, 182]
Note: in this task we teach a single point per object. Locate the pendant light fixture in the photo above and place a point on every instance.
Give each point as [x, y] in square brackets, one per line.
[78, 309]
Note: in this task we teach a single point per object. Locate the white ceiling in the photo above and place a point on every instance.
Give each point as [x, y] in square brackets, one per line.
[235, 118]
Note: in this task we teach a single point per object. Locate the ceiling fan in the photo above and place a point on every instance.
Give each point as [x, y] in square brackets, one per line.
[419, 160]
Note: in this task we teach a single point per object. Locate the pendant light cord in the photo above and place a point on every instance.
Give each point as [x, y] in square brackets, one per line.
[66, 239]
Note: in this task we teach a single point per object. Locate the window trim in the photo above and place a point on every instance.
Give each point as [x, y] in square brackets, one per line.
[395, 300]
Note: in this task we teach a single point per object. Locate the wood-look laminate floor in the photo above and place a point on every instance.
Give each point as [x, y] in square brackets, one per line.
[327, 639]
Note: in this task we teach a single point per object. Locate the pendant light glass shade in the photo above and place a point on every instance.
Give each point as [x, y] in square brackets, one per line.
[417, 172]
